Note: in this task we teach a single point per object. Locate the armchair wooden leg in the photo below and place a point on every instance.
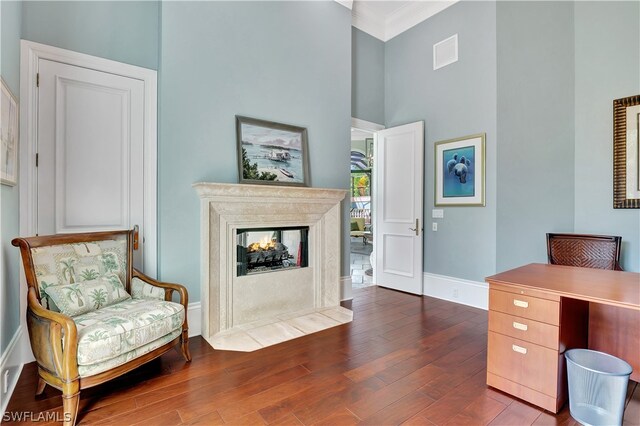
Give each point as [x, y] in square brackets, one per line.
[41, 386]
[70, 402]
[184, 345]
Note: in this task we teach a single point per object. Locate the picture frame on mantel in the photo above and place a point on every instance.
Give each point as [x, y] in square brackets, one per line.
[460, 171]
[626, 153]
[271, 153]
[8, 136]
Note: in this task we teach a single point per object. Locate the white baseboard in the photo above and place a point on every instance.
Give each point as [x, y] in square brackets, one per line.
[457, 290]
[10, 361]
[194, 316]
[345, 288]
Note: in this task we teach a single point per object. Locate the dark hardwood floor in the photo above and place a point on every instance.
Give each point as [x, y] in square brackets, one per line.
[404, 360]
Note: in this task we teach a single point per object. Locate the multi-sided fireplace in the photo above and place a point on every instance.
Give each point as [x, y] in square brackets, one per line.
[270, 249]
[256, 310]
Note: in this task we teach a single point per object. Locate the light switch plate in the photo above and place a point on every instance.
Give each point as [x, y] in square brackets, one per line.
[437, 213]
[434, 226]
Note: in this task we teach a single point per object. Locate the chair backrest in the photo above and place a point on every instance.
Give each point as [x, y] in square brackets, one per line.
[357, 222]
[587, 251]
[61, 259]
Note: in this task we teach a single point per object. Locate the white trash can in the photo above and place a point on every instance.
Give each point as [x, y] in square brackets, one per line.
[597, 386]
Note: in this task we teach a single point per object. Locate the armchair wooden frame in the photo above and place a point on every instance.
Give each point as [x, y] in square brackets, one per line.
[54, 336]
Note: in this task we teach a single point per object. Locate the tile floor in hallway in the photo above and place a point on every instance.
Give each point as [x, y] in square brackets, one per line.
[359, 265]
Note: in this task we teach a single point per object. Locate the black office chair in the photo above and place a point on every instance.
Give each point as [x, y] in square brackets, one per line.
[587, 251]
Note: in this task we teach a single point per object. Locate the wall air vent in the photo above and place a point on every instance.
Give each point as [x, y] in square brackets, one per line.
[445, 52]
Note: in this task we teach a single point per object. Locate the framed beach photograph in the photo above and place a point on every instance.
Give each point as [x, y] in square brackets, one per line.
[8, 136]
[460, 171]
[626, 153]
[271, 153]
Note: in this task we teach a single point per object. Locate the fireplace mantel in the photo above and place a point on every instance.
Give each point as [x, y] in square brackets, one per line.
[232, 304]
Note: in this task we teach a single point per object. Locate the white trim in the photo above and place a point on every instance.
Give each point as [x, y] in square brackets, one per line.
[409, 17]
[30, 54]
[346, 288]
[346, 3]
[387, 27]
[12, 360]
[194, 317]
[356, 123]
[364, 19]
[470, 293]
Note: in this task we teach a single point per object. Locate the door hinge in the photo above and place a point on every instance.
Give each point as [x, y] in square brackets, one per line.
[37, 79]
[37, 158]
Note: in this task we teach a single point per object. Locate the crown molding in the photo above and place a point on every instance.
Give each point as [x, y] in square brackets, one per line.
[371, 23]
[412, 15]
[386, 28]
[346, 3]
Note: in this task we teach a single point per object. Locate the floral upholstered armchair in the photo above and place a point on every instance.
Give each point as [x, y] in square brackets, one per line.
[92, 317]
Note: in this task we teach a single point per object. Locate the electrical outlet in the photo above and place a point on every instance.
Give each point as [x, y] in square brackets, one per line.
[5, 382]
[455, 293]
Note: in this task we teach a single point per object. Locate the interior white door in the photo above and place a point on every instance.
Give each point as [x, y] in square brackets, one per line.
[90, 151]
[398, 212]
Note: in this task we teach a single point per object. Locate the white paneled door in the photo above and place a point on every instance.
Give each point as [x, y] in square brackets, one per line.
[399, 211]
[90, 142]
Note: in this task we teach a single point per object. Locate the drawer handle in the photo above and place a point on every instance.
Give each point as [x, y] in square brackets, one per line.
[520, 303]
[519, 326]
[519, 349]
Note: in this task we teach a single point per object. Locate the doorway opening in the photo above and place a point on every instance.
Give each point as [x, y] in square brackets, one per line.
[360, 212]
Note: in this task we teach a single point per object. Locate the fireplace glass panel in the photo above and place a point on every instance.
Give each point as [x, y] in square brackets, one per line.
[271, 249]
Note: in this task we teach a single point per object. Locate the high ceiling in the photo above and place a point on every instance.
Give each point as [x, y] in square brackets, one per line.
[386, 19]
[383, 8]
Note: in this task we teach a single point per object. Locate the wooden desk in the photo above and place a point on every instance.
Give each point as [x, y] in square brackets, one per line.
[538, 311]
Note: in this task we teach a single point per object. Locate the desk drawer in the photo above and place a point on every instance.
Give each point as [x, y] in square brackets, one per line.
[525, 329]
[530, 365]
[547, 311]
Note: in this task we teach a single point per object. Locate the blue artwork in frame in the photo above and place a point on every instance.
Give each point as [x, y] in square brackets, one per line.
[458, 179]
[459, 171]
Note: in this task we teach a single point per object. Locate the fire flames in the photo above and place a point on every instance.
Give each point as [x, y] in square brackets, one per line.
[264, 244]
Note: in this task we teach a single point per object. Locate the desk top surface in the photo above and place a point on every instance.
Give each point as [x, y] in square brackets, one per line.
[617, 288]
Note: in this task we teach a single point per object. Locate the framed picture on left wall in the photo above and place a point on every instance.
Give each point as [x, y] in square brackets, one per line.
[8, 136]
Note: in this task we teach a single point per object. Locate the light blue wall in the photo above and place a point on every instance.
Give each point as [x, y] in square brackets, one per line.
[607, 57]
[367, 84]
[119, 30]
[10, 222]
[288, 62]
[454, 101]
[535, 128]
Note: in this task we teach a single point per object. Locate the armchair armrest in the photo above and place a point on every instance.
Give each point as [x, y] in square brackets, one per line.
[54, 339]
[169, 288]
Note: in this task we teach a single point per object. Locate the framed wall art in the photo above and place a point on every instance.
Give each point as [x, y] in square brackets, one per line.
[626, 153]
[271, 153]
[460, 171]
[8, 137]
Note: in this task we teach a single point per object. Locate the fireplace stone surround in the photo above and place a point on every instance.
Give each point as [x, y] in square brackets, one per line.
[253, 311]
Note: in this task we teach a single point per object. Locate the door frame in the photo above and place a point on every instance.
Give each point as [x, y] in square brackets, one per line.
[369, 126]
[30, 54]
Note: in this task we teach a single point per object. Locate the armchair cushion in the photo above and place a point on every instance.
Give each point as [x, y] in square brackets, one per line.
[118, 329]
[142, 290]
[93, 369]
[86, 296]
[70, 263]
